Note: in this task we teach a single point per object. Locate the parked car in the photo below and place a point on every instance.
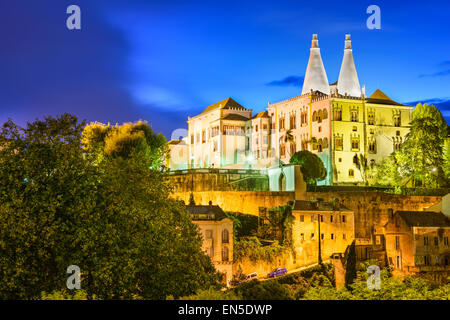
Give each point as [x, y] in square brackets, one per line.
[277, 272]
[251, 276]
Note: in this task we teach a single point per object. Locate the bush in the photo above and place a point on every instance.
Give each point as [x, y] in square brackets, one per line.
[268, 290]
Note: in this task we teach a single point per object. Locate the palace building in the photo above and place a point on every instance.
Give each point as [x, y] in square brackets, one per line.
[347, 130]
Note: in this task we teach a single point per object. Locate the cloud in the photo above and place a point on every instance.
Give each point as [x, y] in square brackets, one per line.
[444, 64]
[47, 69]
[287, 82]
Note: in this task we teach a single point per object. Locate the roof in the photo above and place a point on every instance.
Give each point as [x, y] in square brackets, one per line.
[207, 212]
[228, 103]
[233, 116]
[424, 218]
[262, 114]
[305, 205]
[379, 97]
[334, 83]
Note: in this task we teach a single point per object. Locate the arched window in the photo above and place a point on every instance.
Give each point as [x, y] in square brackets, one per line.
[319, 116]
[314, 117]
[225, 236]
[320, 145]
[324, 114]
[225, 254]
[325, 143]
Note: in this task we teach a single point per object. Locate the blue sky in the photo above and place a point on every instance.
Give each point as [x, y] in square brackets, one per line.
[164, 60]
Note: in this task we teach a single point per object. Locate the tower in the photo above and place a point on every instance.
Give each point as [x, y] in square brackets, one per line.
[348, 83]
[315, 76]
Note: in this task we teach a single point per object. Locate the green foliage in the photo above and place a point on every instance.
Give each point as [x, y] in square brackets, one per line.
[114, 219]
[350, 264]
[212, 294]
[66, 295]
[281, 219]
[312, 166]
[268, 290]
[125, 140]
[421, 158]
[253, 250]
[412, 288]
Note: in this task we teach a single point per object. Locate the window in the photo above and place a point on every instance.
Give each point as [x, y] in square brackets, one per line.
[324, 114]
[208, 234]
[397, 243]
[354, 115]
[192, 139]
[225, 236]
[445, 241]
[436, 241]
[340, 159]
[210, 252]
[292, 121]
[337, 114]
[351, 173]
[397, 119]
[320, 129]
[322, 236]
[319, 116]
[203, 136]
[332, 236]
[355, 128]
[371, 118]
[331, 218]
[321, 218]
[225, 254]
[339, 143]
[312, 236]
[281, 123]
[397, 133]
[302, 236]
[426, 260]
[343, 218]
[372, 146]
[314, 116]
[355, 144]
[425, 240]
[282, 150]
[344, 236]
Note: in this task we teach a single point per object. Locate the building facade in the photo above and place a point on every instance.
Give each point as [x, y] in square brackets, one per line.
[418, 242]
[217, 233]
[347, 130]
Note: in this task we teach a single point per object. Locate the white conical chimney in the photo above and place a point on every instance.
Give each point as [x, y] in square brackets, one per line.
[348, 83]
[315, 76]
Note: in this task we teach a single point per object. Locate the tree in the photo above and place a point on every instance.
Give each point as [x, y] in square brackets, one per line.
[424, 144]
[125, 140]
[268, 290]
[312, 166]
[114, 219]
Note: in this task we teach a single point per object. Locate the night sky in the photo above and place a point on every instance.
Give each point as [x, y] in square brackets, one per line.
[161, 61]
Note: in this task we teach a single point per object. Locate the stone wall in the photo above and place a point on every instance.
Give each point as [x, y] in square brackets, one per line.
[371, 208]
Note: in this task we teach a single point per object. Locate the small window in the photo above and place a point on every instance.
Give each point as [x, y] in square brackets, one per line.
[322, 236]
[302, 218]
[312, 236]
[208, 234]
[425, 240]
[344, 236]
[436, 241]
[355, 128]
[331, 218]
[445, 241]
[340, 159]
[351, 173]
[343, 218]
[225, 236]
[225, 257]
[397, 243]
[321, 218]
[332, 236]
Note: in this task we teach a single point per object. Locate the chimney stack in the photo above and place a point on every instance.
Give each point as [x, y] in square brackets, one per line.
[315, 76]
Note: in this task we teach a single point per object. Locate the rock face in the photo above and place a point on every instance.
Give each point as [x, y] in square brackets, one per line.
[348, 83]
[315, 76]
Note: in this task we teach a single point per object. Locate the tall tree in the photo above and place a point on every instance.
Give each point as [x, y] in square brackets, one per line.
[114, 219]
[424, 144]
[312, 166]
